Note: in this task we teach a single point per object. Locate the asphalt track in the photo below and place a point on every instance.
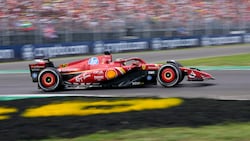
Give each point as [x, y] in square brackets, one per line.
[229, 84]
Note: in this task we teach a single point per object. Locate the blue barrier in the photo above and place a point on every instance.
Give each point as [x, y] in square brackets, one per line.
[166, 43]
[9, 52]
[221, 40]
[29, 51]
[120, 45]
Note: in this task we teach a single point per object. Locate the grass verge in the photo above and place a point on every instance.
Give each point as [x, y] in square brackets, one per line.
[226, 132]
[232, 60]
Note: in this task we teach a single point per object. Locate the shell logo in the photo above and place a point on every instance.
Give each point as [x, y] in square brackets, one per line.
[110, 74]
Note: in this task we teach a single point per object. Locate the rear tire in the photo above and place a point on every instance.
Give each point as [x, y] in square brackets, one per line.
[169, 75]
[49, 79]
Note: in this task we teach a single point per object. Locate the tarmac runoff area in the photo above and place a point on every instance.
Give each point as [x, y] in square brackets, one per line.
[229, 84]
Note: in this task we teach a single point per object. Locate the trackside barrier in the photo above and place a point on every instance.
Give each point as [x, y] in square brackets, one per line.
[30, 51]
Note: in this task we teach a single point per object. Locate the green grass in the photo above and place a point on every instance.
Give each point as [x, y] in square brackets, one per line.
[226, 132]
[233, 60]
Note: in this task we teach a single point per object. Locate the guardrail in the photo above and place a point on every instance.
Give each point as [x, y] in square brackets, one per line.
[31, 51]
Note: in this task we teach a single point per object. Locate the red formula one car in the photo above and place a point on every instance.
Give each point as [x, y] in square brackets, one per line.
[101, 71]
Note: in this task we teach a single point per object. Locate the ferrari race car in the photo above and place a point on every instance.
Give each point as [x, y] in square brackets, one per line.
[102, 71]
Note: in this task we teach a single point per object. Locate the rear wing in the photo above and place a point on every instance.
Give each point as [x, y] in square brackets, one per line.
[40, 64]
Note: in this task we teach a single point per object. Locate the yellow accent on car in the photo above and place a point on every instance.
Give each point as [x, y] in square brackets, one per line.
[121, 70]
[143, 67]
[63, 65]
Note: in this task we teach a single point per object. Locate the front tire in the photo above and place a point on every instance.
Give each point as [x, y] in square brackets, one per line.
[169, 75]
[177, 64]
[49, 79]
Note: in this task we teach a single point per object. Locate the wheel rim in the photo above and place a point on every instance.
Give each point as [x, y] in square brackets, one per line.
[48, 79]
[168, 75]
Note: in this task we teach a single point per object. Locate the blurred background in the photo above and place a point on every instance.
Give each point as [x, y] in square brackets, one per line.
[61, 21]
